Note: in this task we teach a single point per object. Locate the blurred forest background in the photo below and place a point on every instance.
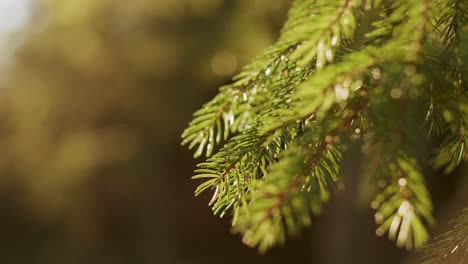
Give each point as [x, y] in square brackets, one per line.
[94, 95]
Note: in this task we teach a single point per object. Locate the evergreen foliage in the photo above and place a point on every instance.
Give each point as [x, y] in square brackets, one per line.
[282, 125]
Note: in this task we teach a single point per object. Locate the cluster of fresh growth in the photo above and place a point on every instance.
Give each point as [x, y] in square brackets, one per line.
[388, 75]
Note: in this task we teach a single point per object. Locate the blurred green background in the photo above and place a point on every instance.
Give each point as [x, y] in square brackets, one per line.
[94, 95]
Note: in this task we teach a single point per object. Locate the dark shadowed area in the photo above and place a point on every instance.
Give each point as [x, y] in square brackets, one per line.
[94, 95]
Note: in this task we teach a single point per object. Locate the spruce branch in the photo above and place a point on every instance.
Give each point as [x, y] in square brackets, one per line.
[284, 121]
